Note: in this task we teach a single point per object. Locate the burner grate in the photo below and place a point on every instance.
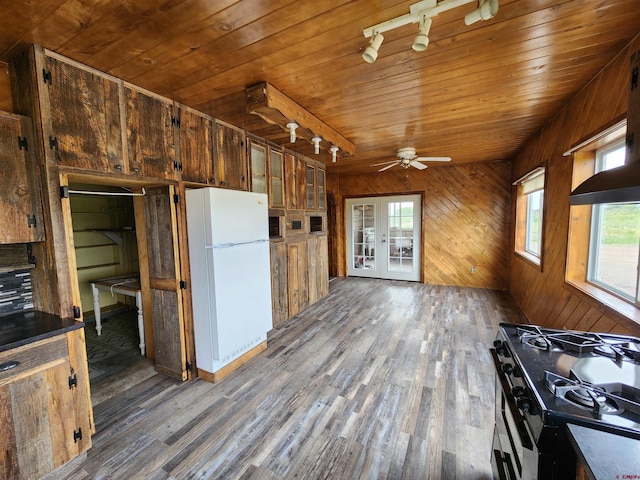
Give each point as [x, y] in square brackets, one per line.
[605, 398]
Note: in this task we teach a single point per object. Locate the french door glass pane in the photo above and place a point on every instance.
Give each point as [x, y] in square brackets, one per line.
[363, 235]
[400, 235]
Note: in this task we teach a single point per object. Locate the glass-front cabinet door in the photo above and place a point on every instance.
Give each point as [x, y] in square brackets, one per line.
[276, 178]
[383, 237]
[258, 154]
[320, 174]
[310, 187]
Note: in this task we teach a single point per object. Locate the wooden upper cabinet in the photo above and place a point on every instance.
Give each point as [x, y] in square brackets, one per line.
[276, 178]
[230, 156]
[258, 165]
[150, 134]
[321, 193]
[196, 149]
[295, 175]
[310, 187]
[21, 220]
[80, 112]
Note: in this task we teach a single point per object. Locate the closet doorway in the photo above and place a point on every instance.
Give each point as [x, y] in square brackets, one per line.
[129, 232]
[383, 237]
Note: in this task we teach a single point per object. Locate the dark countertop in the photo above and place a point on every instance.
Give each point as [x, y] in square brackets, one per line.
[22, 328]
[605, 455]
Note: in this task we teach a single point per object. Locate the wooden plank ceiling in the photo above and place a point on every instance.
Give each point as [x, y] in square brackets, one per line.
[476, 94]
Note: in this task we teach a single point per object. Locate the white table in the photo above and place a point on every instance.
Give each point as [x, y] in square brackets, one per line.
[126, 285]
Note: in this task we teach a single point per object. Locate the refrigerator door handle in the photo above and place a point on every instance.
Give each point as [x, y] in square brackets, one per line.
[230, 245]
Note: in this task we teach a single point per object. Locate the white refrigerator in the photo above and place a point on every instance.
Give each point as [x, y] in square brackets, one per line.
[230, 273]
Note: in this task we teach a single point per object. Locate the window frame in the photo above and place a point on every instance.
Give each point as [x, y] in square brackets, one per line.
[522, 214]
[583, 159]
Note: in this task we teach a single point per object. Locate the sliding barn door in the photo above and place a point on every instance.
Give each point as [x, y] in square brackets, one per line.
[159, 254]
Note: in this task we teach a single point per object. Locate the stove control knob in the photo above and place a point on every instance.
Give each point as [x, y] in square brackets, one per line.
[501, 348]
[524, 404]
[518, 392]
[507, 368]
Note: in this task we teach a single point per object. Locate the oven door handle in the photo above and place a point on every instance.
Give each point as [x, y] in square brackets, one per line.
[525, 439]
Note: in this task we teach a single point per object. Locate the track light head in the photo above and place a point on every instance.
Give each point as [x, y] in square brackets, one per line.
[485, 11]
[316, 144]
[292, 131]
[371, 52]
[334, 151]
[421, 41]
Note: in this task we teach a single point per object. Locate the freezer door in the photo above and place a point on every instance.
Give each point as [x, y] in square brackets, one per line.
[235, 217]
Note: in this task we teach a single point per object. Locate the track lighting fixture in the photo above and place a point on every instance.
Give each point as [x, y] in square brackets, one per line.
[422, 13]
[421, 41]
[486, 10]
[292, 131]
[334, 151]
[371, 52]
[316, 144]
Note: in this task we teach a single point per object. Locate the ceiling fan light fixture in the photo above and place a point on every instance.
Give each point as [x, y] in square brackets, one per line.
[421, 42]
[292, 131]
[334, 153]
[316, 144]
[371, 52]
[486, 10]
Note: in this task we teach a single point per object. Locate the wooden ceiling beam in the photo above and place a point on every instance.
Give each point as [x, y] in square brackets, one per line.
[274, 107]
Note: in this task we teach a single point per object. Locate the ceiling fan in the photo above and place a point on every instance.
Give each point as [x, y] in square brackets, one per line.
[407, 158]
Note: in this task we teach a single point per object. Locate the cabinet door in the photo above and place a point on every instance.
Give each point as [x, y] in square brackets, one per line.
[321, 191]
[276, 178]
[196, 151]
[258, 165]
[310, 187]
[279, 294]
[295, 173]
[21, 220]
[297, 277]
[38, 429]
[80, 117]
[230, 158]
[150, 135]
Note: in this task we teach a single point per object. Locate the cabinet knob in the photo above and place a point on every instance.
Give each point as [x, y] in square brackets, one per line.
[119, 167]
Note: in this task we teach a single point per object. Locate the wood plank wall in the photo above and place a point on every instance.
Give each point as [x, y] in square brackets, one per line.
[543, 295]
[466, 215]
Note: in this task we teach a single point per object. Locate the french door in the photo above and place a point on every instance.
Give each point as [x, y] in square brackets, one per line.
[383, 237]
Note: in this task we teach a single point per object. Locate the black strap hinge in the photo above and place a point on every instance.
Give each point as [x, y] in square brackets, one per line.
[22, 143]
[73, 380]
[189, 366]
[634, 78]
[175, 121]
[76, 311]
[64, 192]
[183, 285]
[177, 166]
[77, 435]
[46, 76]
[177, 198]
[53, 143]
[31, 221]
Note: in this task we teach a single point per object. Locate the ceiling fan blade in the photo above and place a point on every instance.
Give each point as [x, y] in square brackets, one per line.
[433, 159]
[417, 165]
[388, 167]
[383, 163]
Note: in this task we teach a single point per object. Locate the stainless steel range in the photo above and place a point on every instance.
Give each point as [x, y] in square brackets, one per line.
[546, 378]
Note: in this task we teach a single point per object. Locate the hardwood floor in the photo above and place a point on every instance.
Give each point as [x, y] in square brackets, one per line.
[380, 379]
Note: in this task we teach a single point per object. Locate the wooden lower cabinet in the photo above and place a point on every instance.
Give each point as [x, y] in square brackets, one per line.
[297, 276]
[45, 417]
[279, 293]
[318, 268]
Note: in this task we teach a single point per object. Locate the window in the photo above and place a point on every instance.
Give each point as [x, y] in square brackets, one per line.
[614, 244]
[529, 215]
